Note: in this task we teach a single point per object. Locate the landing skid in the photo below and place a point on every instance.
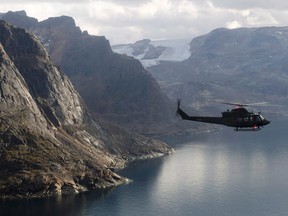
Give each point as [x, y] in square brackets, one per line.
[248, 129]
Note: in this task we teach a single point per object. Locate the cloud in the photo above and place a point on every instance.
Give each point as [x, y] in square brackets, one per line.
[234, 24]
[125, 21]
[260, 17]
[152, 19]
[10, 2]
[126, 2]
[251, 4]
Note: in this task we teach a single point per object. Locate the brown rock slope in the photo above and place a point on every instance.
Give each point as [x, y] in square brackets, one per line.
[48, 142]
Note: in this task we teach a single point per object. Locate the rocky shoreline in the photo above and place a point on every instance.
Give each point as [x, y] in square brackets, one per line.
[29, 185]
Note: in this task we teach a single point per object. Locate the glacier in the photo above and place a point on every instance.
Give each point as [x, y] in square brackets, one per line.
[151, 52]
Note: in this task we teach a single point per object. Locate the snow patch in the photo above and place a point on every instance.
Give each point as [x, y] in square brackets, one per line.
[173, 50]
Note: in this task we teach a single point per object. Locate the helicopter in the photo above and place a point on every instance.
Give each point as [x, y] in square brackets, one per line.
[239, 118]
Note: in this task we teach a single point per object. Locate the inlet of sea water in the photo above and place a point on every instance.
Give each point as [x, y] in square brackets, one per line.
[212, 174]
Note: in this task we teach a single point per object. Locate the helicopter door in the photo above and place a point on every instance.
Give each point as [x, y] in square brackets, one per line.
[239, 120]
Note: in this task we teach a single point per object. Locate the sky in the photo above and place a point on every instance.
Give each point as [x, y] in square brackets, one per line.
[126, 21]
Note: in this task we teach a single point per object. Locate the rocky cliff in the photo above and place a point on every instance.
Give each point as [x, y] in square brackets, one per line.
[49, 144]
[114, 87]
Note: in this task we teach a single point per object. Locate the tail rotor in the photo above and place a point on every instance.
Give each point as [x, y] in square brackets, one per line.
[178, 105]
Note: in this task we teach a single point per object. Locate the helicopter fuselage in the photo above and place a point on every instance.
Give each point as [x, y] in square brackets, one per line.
[238, 118]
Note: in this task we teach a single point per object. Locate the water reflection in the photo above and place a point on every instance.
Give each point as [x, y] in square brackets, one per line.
[221, 165]
[222, 173]
[69, 205]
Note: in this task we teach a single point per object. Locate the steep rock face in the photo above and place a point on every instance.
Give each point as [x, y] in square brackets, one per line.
[48, 142]
[15, 93]
[47, 88]
[115, 87]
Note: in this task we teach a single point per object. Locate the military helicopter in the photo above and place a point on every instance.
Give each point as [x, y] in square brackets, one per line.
[239, 118]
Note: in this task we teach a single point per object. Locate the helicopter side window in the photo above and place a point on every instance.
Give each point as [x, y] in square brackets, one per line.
[246, 119]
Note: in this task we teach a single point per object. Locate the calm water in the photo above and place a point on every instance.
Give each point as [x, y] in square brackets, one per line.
[222, 173]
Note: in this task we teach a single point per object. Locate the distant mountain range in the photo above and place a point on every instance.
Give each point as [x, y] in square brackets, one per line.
[239, 65]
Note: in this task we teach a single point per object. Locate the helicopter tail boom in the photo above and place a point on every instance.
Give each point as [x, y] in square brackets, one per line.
[185, 116]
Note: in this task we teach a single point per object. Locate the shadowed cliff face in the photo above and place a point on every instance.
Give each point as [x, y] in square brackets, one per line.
[114, 87]
[49, 144]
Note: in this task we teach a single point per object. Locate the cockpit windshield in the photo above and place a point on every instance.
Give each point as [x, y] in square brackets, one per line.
[262, 118]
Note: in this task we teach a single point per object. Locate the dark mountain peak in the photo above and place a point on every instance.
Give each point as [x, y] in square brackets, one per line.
[19, 19]
[63, 21]
[61, 33]
[19, 13]
[64, 25]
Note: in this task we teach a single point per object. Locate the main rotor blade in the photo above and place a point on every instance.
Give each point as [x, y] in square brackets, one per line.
[235, 104]
[229, 103]
[264, 103]
[258, 104]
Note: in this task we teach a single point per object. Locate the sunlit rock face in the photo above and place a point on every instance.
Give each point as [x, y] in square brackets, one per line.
[46, 84]
[49, 144]
[115, 87]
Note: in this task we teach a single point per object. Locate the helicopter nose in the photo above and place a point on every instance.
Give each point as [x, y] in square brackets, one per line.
[266, 122]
